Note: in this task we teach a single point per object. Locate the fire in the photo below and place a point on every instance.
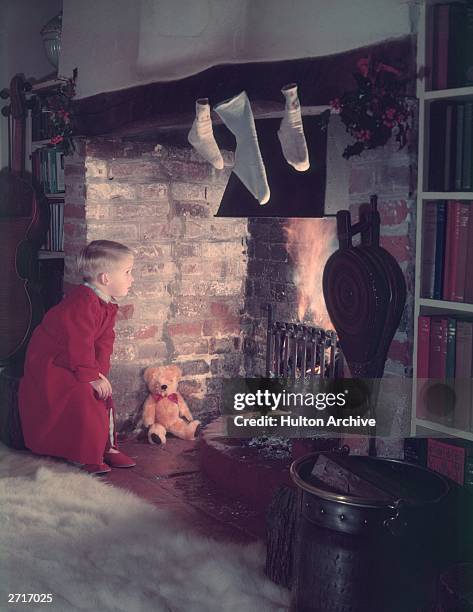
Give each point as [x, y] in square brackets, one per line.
[310, 242]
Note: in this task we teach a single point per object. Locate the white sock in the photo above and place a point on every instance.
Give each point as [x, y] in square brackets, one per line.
[291, 132]
[238, 117]
[201, 135]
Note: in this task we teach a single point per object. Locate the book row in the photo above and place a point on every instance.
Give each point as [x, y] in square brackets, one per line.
[47, 165]
[444, 371]
[450, 148]
[451, 458]
[449, 45]
[447, 251]
[55, 236]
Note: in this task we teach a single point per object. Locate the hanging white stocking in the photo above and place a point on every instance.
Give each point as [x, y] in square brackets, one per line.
[291, 132]
[236, 114]
[201, 135]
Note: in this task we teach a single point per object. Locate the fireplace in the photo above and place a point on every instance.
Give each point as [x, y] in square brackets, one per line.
[203, 283]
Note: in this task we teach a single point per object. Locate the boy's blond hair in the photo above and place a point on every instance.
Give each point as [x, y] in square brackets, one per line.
[100, 256]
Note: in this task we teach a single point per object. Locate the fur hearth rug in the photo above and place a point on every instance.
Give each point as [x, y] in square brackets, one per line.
[100, 549]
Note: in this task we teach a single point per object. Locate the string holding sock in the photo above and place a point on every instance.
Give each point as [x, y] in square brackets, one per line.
[201, 135]
[237, 115]
[291, 131]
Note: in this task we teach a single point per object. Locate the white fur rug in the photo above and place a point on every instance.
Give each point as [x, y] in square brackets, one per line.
[98, 548]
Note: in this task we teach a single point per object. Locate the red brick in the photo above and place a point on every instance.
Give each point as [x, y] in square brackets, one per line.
[393, 212]
[398, 246]
[74, 230]
[75, 212]
[400, 351]
[125, 312]
[221, 325]
[146, 332]
[219, 309]
[184, 329]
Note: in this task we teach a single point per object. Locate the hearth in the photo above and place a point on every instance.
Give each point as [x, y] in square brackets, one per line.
[299, 352]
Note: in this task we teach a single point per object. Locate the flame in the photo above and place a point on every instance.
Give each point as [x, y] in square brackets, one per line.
[310, 242]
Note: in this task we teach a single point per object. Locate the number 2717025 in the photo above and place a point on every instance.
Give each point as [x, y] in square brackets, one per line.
[30, 598]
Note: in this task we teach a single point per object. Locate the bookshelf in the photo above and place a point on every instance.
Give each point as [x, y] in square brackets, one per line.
[431, 98]
[46, 163]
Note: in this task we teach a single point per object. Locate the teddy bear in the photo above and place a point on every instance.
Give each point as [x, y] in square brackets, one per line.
[165, 409]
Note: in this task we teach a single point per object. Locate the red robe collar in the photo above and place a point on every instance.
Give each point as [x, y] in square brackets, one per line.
[172, 396]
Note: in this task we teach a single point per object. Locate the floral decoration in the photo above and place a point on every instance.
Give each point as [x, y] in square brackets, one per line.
[59, 105]
[377, 109]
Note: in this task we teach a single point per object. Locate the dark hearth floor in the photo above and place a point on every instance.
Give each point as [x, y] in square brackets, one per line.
[170, 477]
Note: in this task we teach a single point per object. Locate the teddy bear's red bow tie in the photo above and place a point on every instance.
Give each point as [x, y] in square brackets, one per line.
[172, 396]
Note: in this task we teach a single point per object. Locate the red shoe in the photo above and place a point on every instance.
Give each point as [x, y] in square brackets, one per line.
[96, 468]
[118, 460]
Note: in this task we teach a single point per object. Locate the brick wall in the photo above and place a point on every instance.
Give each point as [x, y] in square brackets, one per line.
[190, 267]
[202, 284]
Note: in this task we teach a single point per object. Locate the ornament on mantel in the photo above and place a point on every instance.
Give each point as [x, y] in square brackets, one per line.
[51, 35]
[377, 109]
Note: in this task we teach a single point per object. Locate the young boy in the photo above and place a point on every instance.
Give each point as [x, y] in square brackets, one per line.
[65, 397]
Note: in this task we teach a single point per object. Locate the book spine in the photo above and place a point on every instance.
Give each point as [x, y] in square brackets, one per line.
[442, 25]
[467, 146]
[438, 348]
[60, 171]
[463, 368]
[456, 44]
[468, 48]
[462, 236]
[437, 148]
[449, 131]
[459, 147]
[423, 344]
[451, 342]
[469, 261]
[446, 459]
[440, 248]
[429, 239]
[451, 249]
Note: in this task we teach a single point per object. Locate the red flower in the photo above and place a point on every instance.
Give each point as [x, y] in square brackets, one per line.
[336, 105]
[56, 139]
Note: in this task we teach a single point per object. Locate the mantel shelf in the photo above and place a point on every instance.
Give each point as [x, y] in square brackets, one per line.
[447, 306]
[447, 195]
[450, 431]
[450, 94]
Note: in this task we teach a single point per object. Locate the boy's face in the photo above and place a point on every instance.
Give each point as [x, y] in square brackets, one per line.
[119, 278]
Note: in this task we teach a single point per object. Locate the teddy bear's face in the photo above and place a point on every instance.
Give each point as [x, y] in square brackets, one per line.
[162, 380]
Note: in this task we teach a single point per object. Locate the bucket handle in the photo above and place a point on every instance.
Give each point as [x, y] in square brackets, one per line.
[397, 524]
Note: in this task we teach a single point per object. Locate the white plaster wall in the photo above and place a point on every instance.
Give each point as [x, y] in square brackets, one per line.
[21, 48]
[121, 43]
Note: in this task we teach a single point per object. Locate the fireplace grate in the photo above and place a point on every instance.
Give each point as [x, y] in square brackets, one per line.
[298, 351]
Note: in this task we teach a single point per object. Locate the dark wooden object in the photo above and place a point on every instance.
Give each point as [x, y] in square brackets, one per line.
[280, 534]
[10, 426]
[21, 234]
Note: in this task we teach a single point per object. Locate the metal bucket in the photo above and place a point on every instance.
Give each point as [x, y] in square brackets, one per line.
[354, 554]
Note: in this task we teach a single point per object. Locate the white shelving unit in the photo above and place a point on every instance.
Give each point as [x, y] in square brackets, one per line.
[423, 306]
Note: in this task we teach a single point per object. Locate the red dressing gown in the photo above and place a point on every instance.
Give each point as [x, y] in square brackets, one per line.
[60, 414]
